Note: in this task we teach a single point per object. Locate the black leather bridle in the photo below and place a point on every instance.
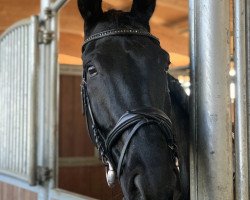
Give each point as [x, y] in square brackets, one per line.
[120, 32]
[134, 119]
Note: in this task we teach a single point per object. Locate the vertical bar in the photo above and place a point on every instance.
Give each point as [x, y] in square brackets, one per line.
[20, 67]
[8, 115]
[241, 144]
[248, 82]
[2, 73]
[193, 121]
[12, 103]
[54, 98]
[4, 99]
[43, 64]
[1, 98]
[11, 100]
[48, 87]
[7, 104]
[22, 74]
[4, 102]
[17, 64]
[25, 88]
[45, 4]
[15, 96]
[32, 88]
[212, 99]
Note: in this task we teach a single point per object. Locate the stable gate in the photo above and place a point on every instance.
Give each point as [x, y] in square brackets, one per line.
[18, 75]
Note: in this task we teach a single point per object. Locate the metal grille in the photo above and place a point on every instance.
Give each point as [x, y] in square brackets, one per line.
[18, 53]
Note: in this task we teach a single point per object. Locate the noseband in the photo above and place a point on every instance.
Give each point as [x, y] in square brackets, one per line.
[134, 119]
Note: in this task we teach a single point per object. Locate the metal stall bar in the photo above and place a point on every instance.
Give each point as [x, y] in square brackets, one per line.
[248, 81]
[48, 92]
[193, 111]
[241, 144]
[18, 100]
[211, 159]
[58, 5]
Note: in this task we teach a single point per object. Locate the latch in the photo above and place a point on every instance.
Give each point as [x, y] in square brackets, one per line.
[45, 36]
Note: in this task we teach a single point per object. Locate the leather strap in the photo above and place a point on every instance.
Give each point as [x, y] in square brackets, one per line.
[132, 117]
[125, 147]
[113, 32]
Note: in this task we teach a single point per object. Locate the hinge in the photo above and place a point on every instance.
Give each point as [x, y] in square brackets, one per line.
[43, 174]
[45, 36]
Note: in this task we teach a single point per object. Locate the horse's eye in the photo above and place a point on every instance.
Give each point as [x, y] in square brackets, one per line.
[92, 71]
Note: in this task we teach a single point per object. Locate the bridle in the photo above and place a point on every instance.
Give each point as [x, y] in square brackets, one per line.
[133, 119]
[117, 32]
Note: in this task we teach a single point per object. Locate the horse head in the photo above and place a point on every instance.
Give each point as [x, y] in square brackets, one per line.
[127, 100]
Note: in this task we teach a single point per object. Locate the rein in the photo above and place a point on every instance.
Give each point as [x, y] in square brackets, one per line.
[134, 119]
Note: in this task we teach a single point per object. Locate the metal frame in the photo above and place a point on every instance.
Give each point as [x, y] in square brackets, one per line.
[241, 130]
[211, 142]
[248, 81]
[204, 24]
[193, 106]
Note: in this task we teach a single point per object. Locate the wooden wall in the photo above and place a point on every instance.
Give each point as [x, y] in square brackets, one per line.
[89, 181]
[10, 192]
[73, 138]
[83, 178]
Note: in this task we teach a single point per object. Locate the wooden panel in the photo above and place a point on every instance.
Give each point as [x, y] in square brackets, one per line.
[59, 194]
[89, 181]
[73, 136]
[75, 145]
[13, 11]
[71, 44]
[10, 192]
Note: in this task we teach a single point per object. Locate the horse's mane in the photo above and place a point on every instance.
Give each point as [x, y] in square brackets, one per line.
[178, 94]
[180, 116]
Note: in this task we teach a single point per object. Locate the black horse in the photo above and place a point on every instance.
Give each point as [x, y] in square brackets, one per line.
[137, 113]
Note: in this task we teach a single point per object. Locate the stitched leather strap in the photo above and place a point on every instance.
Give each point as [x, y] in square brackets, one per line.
[114, 32]
[125, 147]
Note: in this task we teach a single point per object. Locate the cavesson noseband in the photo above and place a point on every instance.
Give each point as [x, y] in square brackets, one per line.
[134, 119]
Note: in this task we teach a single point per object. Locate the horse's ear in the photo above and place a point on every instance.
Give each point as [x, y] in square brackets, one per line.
[144, 9]
[90, 9]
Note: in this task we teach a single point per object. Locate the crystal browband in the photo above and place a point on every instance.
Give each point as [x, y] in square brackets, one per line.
[113, 32]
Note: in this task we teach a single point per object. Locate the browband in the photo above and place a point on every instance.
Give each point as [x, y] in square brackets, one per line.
[120, 32]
